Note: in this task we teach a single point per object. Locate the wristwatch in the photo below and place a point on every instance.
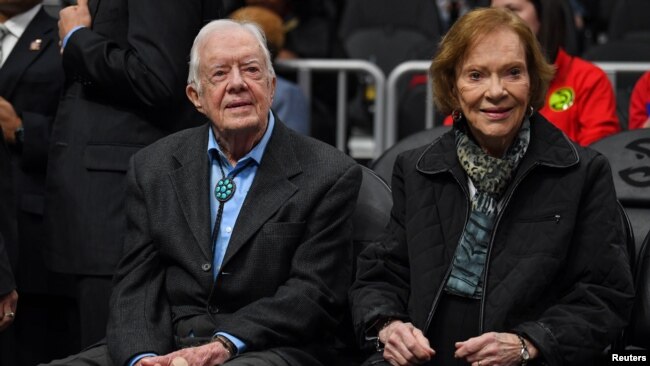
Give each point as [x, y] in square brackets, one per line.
[525, 356]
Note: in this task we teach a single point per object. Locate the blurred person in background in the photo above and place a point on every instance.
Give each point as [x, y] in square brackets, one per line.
[8, 293]
[31, 81]
[125, 64]
[640, 103]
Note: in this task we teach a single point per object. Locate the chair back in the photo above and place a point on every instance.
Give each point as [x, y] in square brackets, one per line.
[371, 215]
[628, 235]
[629, 19]
[383, 165]
[389, 32]
[369, 220]
[628, 153]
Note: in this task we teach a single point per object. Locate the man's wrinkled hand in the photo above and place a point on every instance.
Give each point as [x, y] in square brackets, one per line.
[210, 354]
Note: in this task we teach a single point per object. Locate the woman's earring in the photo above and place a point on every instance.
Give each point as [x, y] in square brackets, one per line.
[531, 110]
[456, 115]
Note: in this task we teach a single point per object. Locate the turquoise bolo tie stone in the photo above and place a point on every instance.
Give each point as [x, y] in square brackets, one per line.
[224, 189]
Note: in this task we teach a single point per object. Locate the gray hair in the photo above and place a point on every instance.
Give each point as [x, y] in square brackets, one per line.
[221, 25]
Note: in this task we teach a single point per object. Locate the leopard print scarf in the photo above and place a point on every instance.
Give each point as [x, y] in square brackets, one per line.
[491, 176]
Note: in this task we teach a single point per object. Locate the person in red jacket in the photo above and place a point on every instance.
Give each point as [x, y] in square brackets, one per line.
[640, 103]
[580, 100]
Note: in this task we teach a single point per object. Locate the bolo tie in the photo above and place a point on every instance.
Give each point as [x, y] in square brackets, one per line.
[224, 190]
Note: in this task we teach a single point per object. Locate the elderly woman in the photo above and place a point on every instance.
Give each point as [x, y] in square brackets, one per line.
[503, 246]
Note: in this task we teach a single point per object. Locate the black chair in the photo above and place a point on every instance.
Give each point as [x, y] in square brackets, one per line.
[373, 209]
[388, 32]
[369, 220]
[628, 235]
[628, 153]
[383, 165]
[628, 18]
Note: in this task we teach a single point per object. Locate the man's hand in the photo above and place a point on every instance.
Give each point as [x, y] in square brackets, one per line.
[405, 344]
[73, 16]
[8, 306]
[210, 354]
[9, 120]
[493, 349]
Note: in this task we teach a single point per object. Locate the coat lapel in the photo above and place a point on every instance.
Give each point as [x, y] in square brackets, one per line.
[191, 183]
[271, 188]
[38, 36]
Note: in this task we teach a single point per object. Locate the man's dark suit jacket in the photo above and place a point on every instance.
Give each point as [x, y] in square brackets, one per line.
[7, 220]
[125, 88]
[287, 268]
[31, 79]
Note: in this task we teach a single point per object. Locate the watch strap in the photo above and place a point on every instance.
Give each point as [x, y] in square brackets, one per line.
[524, 355]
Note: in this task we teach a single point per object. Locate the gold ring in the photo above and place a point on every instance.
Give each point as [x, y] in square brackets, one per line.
[10, 314]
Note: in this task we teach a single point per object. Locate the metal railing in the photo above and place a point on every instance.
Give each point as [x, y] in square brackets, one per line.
[306, 67]
[386, 98]
[611, 68]
[395, 76]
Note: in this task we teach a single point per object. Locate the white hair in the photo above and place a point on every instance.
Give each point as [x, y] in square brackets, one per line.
[218, 26]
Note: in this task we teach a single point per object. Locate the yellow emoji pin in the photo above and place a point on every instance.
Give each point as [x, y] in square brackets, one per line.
[561, 99]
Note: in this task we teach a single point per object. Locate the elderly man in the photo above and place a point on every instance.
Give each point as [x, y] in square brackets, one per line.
[238, 248]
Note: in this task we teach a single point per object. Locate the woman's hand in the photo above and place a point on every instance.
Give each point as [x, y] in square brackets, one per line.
[404, 344]
[493, 349]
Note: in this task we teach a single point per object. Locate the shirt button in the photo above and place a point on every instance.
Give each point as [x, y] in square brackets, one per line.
[213, 309]
[206, 267]
[229, 229]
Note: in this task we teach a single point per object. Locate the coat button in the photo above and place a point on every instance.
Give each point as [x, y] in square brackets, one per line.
[213, 309]
[206, 267]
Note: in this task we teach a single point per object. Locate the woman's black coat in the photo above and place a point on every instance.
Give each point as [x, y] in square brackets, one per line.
[557, 270]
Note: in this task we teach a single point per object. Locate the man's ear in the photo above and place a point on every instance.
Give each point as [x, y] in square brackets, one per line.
[193, 95]
[272, 83]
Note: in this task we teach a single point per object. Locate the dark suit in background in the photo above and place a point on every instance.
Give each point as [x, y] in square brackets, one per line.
[7, 221]
[125, 80]
[31, 80]
[7, 239]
